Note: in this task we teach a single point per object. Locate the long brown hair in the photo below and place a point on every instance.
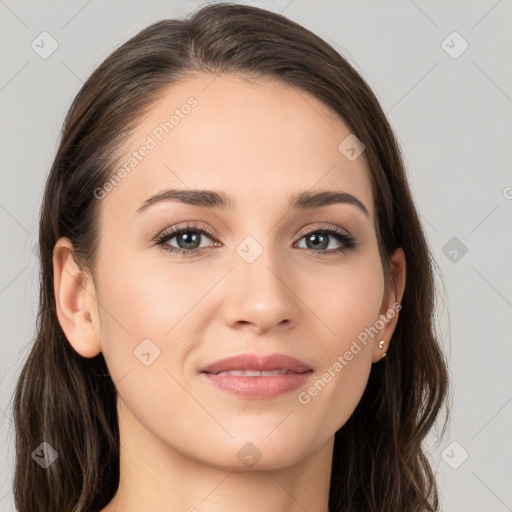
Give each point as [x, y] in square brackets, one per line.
[69, 401]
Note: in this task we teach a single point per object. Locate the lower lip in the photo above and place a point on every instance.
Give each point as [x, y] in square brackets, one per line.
[259, 388]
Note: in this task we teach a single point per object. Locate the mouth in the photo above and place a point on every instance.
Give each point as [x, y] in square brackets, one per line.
[257, 377]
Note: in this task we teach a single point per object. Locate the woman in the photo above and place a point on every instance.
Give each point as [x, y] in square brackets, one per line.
[237, 296]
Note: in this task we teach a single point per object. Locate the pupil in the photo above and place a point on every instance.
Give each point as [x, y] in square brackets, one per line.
[188, 239]
[317, 237]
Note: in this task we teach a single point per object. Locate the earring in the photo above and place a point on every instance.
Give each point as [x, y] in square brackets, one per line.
[381, 346]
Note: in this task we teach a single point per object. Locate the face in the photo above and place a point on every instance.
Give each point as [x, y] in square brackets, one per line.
[258, 276]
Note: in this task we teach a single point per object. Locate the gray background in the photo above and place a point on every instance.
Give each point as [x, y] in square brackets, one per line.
[452, 119]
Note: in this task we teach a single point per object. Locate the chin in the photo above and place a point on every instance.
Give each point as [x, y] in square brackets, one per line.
[257, 452]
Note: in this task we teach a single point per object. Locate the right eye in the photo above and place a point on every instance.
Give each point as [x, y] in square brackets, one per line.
[185, 235]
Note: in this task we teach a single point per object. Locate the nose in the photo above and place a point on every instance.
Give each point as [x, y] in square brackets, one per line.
[260, 295]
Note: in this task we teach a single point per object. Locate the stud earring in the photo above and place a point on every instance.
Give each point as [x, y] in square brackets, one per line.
[381, 344]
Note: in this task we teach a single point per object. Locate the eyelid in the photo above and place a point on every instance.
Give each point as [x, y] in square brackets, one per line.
[309, 229]
[183, 227]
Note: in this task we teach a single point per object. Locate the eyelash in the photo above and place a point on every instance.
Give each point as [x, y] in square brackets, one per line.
[341, 235]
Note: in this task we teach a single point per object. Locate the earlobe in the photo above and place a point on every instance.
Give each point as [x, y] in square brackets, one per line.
[75, 299]
[391, 305]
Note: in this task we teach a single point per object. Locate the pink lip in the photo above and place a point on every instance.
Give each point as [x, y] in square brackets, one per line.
[262, 387]
[256, 362]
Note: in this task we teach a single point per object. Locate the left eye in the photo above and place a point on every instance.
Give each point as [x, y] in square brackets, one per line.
[188, 239]
[320, 239]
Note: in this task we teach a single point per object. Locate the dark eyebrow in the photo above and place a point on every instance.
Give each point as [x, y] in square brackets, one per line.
[307, 200]
[214, 199]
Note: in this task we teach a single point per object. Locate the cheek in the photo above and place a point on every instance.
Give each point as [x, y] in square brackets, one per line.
[346, 299]
[141, 302]
[151, 297]
[348, 304]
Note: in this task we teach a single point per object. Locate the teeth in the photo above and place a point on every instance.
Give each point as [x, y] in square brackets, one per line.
[251, 373]
[254, 373]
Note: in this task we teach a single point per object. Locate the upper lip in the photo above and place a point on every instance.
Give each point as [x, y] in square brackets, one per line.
[257, 362]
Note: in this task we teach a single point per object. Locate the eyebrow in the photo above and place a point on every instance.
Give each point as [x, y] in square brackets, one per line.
[213, 199]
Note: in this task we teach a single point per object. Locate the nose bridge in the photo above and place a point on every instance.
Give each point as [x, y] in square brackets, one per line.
[258, 292]
[257, 264]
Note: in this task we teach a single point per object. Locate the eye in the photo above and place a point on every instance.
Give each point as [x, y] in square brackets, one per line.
[188, 239]
[319, 238]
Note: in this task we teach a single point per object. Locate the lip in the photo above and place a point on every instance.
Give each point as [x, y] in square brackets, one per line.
[257, 362]
[258, 387]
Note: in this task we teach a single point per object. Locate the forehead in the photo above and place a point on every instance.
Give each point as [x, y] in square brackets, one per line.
[260, 141]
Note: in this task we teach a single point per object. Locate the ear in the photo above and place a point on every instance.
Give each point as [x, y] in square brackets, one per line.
[391, 305]
[75, 299]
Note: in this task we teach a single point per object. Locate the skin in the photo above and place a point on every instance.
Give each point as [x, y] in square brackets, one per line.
[260, 141]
